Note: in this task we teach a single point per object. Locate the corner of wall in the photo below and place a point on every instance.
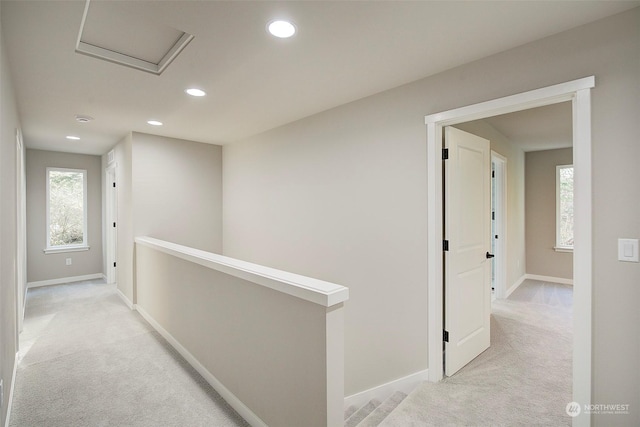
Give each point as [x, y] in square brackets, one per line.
[7, 418]
[9, 122]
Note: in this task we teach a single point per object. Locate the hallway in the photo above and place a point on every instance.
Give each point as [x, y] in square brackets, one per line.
[524, 378]
[87, 360]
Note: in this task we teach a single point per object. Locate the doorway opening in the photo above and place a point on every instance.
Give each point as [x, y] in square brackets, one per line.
[578, 92]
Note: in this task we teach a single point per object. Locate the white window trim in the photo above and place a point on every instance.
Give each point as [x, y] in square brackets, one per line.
[62, 249]
[563, 249]
[84, 246]
[558, 247]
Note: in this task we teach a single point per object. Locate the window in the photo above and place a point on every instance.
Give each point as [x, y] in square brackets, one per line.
[66, 210]
[564, 208]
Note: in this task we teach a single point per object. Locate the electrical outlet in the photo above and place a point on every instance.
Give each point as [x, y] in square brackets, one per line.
[68, 261]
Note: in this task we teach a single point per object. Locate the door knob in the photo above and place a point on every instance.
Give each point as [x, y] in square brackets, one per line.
[490, 255]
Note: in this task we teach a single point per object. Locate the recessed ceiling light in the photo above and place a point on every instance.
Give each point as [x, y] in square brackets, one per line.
[195, 92]
[154, 123]
[75, 138]
[83, 119]
[281, 29]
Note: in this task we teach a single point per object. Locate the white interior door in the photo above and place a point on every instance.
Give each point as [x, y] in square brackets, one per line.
[467, 229]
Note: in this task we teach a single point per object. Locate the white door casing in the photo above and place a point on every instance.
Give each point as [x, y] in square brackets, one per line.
[579, 93]
[111, 233]
[21, 230]
[500, 251]
[467, 227]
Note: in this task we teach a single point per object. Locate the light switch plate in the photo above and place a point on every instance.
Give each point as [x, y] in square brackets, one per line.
[628, 250]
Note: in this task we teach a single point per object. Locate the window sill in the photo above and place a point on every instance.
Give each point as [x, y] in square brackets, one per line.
[66, 249]
[558, 249]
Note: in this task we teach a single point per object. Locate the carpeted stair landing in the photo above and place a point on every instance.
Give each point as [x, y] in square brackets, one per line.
[373, 413]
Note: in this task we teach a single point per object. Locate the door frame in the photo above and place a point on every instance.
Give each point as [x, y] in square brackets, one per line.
[579, 93]
[111, 217]
[501, 223]
[21, 232]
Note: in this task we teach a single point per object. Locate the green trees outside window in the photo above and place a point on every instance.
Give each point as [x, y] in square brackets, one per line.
[564, 207]
[66, 196]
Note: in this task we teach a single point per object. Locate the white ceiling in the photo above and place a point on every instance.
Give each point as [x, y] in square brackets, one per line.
[343, 51]
[542, 128]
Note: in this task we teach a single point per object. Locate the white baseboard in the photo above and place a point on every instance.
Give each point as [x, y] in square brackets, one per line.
[559, 280]
[550, 279]
[64, 280]
[515, 286]
[126, 300]
[13, 384]
[405, 384]
[227, 395]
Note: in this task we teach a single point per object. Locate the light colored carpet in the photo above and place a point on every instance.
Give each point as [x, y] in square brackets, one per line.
[87, 360]
[524, 378]
[381, 412]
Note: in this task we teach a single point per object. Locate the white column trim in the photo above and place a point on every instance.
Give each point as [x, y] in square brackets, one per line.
[582, 254]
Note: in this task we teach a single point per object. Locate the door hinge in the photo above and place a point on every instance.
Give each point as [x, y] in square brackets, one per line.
[114, 224]
[445, 335]
[445, 154]
[114, 264]
[493, 215]
[493, 174]
[114, 185]
[445, 245]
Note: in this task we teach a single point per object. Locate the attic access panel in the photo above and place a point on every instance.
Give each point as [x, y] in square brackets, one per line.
[113, 33]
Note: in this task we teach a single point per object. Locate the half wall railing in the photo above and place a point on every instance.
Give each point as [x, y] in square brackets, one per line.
[270, 342]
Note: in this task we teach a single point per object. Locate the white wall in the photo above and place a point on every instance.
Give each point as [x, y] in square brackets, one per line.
[341, 196]
[41, 266]
[542, 259]
[167, 188]
[9, 122]
[177, 191]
